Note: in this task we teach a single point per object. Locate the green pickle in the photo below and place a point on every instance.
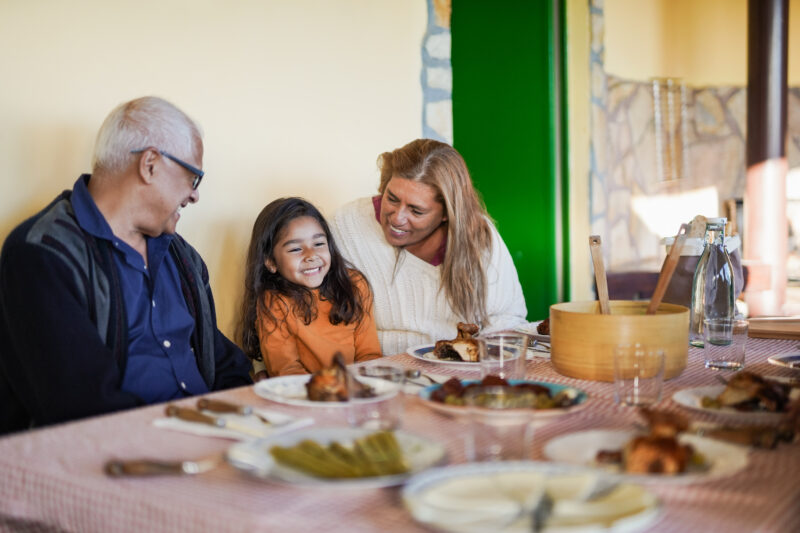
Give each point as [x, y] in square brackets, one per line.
[377, 454]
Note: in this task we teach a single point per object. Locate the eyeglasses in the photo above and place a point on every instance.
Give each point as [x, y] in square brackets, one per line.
[197, 173]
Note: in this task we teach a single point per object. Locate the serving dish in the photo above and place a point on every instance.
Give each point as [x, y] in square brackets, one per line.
[254, 458]
[580, 448]
[291, 390]
[581, 398]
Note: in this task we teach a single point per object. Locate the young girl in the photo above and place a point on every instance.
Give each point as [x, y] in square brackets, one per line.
[302, 303]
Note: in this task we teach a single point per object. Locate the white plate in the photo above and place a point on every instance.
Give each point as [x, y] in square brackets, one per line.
[479, 497]
[580, 448]
[530, 329]
[460, 410]
[291, 390]
[424, 352]
[693, 399]
[254, 458]
[788, 360]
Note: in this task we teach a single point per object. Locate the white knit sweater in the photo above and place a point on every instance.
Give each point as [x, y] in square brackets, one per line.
[410, 308]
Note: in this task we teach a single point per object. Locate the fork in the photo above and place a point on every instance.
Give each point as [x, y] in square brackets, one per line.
[544, 506]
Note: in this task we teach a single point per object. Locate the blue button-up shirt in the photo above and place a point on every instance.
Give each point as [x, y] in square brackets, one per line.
[161, 363]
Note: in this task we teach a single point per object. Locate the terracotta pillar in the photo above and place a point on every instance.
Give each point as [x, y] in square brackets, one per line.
[765, 228]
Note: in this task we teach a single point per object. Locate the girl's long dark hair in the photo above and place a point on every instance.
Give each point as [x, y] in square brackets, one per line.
[347, 305]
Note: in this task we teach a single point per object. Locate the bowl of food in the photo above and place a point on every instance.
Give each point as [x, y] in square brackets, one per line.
[582, 341]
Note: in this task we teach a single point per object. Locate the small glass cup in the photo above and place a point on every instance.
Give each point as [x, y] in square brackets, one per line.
[503, 355]
[638, 374]
[724, 342]
[384, 412]
[501, 423]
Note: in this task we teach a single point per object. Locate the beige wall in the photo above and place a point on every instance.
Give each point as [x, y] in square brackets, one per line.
[578, 109]
[296, 97]
[702, 41]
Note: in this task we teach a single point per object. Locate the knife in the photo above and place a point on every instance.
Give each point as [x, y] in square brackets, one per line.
[192, 415]
[149, 467]
[221, 406]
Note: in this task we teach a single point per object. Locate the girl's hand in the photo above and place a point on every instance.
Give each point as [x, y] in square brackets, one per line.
[260, 375]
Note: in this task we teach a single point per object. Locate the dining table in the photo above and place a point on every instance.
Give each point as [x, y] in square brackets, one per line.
[52, 479]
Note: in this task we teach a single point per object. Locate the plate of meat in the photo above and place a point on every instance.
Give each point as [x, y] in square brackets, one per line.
[538, 330]
[642, 457]
[334, 386]
[746, 396]
[551, 399]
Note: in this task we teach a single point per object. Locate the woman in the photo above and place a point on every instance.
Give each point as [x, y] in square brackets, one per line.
[429, 250]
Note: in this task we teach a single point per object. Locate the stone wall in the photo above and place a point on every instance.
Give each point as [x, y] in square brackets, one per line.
[625, 165]
[437, 74]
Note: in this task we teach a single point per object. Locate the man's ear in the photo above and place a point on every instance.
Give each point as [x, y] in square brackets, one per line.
[147, 163]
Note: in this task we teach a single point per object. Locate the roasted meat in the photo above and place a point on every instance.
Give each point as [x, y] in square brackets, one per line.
[750, 392]
[333, 384]
[462, 348]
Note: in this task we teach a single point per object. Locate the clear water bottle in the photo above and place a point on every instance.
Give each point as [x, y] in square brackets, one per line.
[713, 293]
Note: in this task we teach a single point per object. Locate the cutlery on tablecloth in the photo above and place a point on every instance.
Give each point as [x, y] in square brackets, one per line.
[192, 415]
[545, 504]
[220, 406]
[151, 467]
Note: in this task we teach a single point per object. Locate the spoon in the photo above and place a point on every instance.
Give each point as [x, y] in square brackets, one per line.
[414, 373]
[599, 273]
[668, 269]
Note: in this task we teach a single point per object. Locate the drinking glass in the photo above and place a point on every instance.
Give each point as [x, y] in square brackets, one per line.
[724, 343]
[384, 412]
[503, 355]
[501, 423]
[638, 374]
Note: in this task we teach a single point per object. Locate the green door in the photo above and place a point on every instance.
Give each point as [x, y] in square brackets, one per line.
[507, 124]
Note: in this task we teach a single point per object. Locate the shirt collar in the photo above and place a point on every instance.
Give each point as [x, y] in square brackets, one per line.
[89, 217]
[92, 221]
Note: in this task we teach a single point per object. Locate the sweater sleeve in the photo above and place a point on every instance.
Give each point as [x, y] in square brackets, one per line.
[505, 302]
[366, 342]
[54, 359]
[278, 344]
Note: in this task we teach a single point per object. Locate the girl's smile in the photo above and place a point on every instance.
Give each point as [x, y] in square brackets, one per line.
[301, 254]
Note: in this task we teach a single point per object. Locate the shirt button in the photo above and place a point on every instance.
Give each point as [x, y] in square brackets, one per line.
[154, 303]
[183, 385]
[167, 344]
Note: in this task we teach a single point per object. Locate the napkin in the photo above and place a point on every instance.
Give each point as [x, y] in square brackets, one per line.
[281, 422]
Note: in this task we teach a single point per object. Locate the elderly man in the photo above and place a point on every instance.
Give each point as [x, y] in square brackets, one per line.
[102, 305]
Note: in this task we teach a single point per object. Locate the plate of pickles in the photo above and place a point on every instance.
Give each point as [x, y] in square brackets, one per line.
[337, 457]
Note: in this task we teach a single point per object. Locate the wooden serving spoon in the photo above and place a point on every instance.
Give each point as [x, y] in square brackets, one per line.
[599, 273]
[668, 269]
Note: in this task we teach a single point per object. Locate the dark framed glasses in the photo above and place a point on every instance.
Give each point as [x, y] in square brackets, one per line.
[197, 173]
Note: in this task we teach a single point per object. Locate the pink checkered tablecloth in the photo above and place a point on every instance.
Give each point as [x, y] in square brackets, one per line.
[52, 480]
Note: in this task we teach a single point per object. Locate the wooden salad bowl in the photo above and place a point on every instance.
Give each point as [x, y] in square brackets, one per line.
[583, 341]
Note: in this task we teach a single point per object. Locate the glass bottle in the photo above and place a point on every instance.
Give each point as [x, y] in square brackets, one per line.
[713, 285]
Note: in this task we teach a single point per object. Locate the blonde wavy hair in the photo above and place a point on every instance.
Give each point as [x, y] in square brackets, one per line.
[469, 236]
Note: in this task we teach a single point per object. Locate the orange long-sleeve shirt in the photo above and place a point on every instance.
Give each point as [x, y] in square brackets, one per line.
[296, 348]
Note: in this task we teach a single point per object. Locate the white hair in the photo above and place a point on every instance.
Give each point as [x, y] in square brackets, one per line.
[143, 123]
